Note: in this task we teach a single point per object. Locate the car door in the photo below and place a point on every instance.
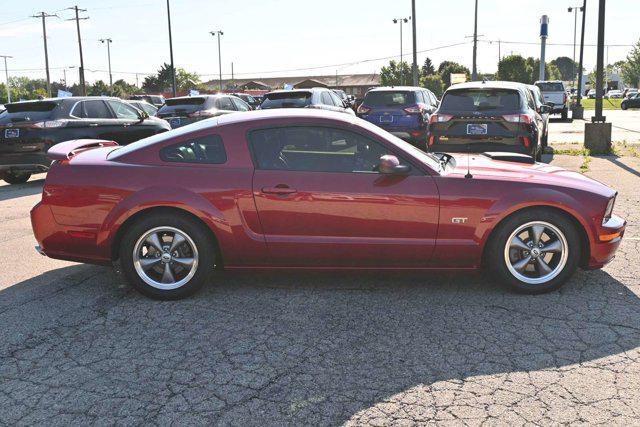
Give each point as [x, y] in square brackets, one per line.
[225, 105]
[240, 104]
[92, 119]
[130, 126]
[322, 202]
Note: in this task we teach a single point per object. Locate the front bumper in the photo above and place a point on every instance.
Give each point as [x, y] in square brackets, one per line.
[609, 236]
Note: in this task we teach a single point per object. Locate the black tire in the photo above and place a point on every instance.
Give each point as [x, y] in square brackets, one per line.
[564, 114]
[539, 154]
[196, 231]
[16, 177]
[623, 105]
[545, 141]
[495, 257]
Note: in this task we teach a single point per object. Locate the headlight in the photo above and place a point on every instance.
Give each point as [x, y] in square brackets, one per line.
[609, 210]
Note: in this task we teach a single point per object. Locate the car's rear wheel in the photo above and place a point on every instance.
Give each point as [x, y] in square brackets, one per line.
[564, 114]
[535, 251]
[167, 256]
[16, 177]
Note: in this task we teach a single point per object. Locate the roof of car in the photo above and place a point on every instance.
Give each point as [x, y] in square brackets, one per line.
[205, 95]
[549, 81]
[390, 88]
[284, 113]
[70, 99]
[312, 89]
[491, 84]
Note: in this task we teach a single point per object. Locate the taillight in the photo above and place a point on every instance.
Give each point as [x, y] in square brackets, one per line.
[518, 118]
[440, 118]
[564, 98]
[525, 141]
[50, 124]
[432, 139]
[414, 109]
[363, 110]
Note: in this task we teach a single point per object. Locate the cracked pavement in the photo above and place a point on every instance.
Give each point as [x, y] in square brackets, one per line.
[77, 346]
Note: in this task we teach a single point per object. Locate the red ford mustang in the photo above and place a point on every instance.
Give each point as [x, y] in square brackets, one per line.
[314, 189]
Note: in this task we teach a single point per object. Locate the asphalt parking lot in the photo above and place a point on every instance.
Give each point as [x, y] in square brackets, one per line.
[79, 347]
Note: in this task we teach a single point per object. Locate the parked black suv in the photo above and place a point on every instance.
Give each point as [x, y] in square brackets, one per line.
[185, 110]
[28, 129]
[487, 116]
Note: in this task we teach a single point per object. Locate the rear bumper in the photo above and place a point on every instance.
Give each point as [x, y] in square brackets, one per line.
[64, 242]
[606, 242]
[31, 162]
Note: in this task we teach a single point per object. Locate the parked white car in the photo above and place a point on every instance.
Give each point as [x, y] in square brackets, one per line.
[613, 94]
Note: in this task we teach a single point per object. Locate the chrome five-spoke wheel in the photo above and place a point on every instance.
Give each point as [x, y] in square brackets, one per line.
[165, 258]
[536, 252]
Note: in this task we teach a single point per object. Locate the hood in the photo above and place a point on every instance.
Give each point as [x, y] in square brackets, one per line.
[483, 167]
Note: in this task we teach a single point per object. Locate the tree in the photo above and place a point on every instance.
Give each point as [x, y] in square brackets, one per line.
[446, 68]
[99, 88]
[427, 68]
[392, 75]
[163, 80]
[630, 69]
[566, 67]
[514, 68]
[434, 83]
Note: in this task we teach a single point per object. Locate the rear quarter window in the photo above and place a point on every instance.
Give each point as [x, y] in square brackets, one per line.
[203, 150]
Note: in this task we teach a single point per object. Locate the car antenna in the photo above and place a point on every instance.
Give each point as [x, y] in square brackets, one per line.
[468, 175]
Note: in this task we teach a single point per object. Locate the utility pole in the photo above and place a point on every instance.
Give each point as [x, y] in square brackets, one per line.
[414, 71]
[574, 9]
[137, 83]
[108, 42]
[6, 74]
[44, 16]
[499, 47]
[173, 68]
[578, 111]
[83, 85]
[474, 72]
[544, 33]
[401, 21]
[233, 82]
[219, 34]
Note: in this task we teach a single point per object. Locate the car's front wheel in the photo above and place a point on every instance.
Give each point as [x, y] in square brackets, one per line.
[167, 256]
[534, 251]
[623, 105]
[564, 114]
[16, 177]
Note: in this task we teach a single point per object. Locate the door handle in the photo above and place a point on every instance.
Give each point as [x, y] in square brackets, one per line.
[93, 125]
[281, 190]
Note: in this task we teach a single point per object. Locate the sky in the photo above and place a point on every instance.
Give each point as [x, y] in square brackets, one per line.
[269, 38]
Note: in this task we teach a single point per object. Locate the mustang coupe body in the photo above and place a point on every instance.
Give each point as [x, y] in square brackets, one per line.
[313, 189]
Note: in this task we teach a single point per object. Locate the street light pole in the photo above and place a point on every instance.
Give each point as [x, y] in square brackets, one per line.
[6, 74]
[219, 34]
[414, 71]
[600, 64]
[173, 68]
[401, 21]
[578, 112]
[474, 72]
[574, 9]
[108, 42]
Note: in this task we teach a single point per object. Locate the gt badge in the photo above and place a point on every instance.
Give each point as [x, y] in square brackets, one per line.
[459, 220]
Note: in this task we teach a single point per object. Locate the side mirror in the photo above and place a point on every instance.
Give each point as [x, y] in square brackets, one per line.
[389, 164]
[545, 109]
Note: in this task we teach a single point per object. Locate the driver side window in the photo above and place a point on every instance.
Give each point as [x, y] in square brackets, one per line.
[315, 149]
[123, 111]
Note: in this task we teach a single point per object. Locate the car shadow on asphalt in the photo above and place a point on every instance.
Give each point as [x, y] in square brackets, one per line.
[618, 163]
[301, 348]
[8, 192]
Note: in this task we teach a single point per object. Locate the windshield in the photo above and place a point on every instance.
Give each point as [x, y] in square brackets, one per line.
[286, 100]
[28, 111]
[550, 86]
[469, 100]
[389, 98]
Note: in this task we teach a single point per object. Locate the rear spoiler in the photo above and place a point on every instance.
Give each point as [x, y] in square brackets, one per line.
[68, 149]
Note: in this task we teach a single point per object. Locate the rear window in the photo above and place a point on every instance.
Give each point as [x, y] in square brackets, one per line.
[286, 100]
[28, 111]
[184, 101]
[551, 86]
[389, 98]
[481, 100]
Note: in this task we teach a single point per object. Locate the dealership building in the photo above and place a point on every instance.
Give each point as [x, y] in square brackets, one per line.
[353, 84]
